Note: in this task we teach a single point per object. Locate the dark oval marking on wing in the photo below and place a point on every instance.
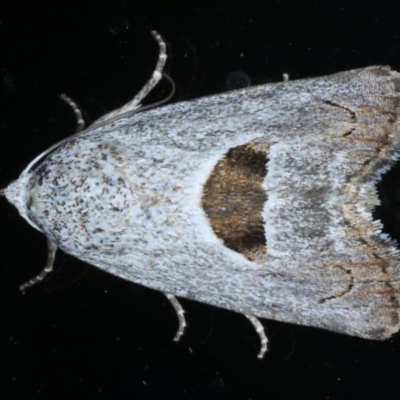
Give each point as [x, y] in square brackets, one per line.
[233, 199]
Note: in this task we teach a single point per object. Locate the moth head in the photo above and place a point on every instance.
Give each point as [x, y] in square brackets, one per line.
[21, 192]
[18, 194]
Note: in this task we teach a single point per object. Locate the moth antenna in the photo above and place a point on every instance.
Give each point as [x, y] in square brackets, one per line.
[180, 312]
[261, 333]
[147, 88]
[51, 255]
[80, 122]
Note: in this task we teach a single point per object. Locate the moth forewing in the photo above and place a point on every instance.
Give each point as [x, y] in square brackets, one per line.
[258, 200]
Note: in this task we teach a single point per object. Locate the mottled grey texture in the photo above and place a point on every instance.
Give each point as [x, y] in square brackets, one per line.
[125, 195]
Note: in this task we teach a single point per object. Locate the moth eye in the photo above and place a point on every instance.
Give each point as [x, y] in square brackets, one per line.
[233, 199]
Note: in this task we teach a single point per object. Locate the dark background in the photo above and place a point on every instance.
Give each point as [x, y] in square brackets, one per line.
[85, 333]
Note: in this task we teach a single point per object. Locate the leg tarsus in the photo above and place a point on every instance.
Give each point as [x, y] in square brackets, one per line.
[51, 254]
[261, 333]
[147, 88]
[180, 312]
[80, 122]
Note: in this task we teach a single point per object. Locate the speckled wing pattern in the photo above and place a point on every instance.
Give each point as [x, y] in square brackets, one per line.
[258, 200]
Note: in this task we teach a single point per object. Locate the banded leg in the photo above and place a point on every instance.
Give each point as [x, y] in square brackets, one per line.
[261, 333]
[80, 122]
[51, 255]
[147, 88]
[180, 312]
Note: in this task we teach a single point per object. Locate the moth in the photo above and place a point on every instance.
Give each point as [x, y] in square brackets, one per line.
[259, 200]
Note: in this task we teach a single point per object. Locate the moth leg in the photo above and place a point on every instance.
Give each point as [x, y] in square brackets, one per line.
[180, 312]
[80, 122]
[155, 77]
[261, 333]
[51, 254]
[146, 89]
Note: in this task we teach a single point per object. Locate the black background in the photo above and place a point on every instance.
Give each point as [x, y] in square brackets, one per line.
[86, 333]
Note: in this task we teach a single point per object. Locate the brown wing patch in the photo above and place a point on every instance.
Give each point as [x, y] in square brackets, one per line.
[233, 199]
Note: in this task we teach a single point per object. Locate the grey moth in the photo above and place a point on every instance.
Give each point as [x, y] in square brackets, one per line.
[259, 200]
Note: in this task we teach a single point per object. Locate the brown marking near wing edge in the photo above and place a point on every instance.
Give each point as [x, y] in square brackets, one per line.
[233, 199]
